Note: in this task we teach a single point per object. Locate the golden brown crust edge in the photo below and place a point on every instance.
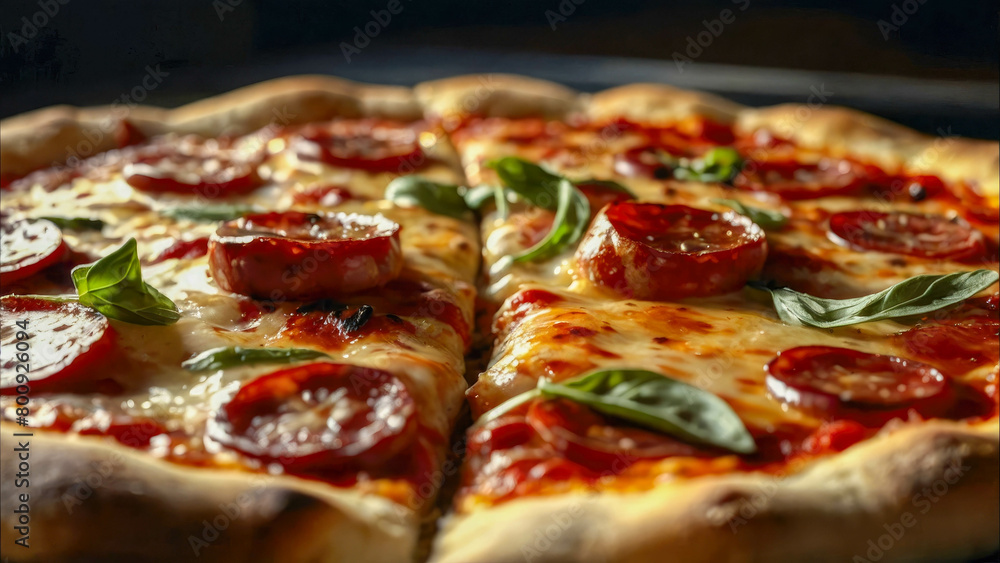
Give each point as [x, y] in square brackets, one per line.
[55, 135]
[923, 493]
[895, 148]
[496, 95]
[91, 499]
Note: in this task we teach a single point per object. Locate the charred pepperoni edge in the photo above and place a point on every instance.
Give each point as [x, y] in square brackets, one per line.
[267, 266]
[611, 256]
[844, 225]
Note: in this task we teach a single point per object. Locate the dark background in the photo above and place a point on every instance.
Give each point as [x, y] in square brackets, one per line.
[931, 65]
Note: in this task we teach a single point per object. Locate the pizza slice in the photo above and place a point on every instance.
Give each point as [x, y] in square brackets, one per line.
[641, 401]
[236, 347]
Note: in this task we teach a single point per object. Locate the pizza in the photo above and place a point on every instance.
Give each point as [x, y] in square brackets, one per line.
[490, 319]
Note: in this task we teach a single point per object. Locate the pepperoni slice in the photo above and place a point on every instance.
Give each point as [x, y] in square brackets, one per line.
[319, 416]
[642, 162]
[183, 250]
[838, 383]
[924, 236]
[63, 342]
[793, 180]
[956, 346]
[29, 247]
[207, 168]
[304, 256]
[587, 438]
[499, 434]
[663, 252]
[362, 145]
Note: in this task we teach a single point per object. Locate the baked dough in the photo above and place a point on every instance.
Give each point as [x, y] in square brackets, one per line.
[147, 509]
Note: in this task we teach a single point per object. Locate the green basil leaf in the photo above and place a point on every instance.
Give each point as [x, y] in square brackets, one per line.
[209, 213]
[914, 296]
[767, 219]
[551, 191]
[650, 400]
[569, 224]
[720, 164]
[477, 197]
[230, 356]
[442, 199]
[113, 285]
[530, 181]
[76, 223]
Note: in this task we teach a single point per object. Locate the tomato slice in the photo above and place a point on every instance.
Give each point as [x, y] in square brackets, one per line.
[793, 180]
[319, 416]
[29, 247]
[924, 236]
[835, 383]
[363, 145]
[588, 438]
[66, 341]
[304, 256]
[208, 168]
[663, 252]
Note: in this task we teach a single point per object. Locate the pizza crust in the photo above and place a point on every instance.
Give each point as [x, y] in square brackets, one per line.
[659, 104]
[93, 499]
[828, 512]
[496, 95]
[848, 497]
[845, 132]
[56, 135]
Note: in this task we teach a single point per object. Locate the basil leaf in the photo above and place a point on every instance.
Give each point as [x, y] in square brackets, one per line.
[650, 400]
[229, 356]
[113, 285]
[720, 164]
[76, 223]
[209, 213]
[530, 181]
[767, 219]
[442, 199]
[476, 197]
[569, 224]
[914, 296]
[550, 191]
